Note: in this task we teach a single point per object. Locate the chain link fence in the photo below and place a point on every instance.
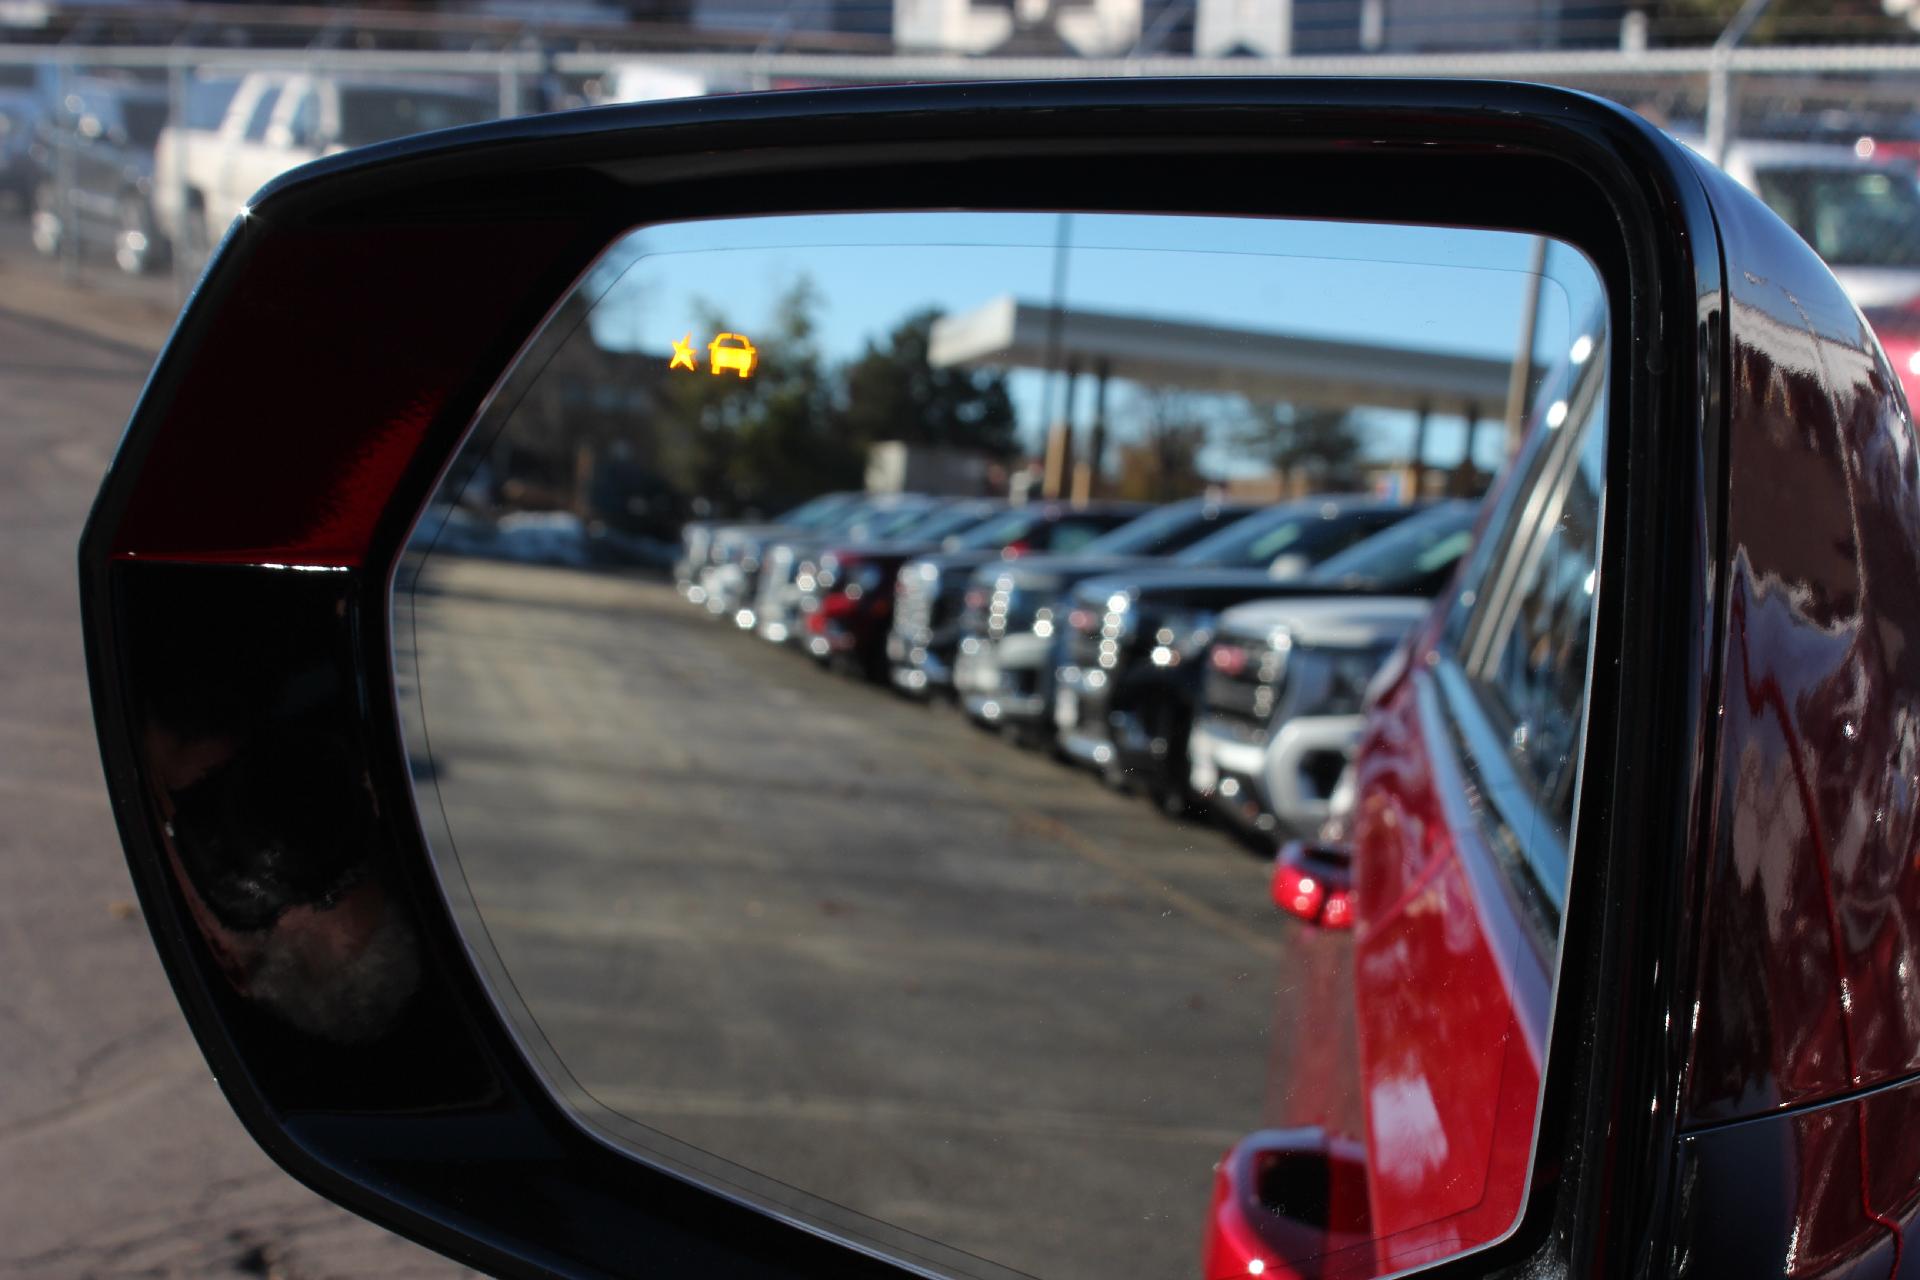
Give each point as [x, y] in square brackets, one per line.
[129, 139]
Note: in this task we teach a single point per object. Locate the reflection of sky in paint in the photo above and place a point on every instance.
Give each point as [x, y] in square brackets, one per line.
[1412, 288]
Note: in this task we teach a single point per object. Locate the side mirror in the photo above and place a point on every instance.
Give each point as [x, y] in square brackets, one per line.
[520, 908]
[1286, 1203]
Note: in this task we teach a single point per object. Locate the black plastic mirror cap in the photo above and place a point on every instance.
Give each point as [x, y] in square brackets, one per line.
[352, 326]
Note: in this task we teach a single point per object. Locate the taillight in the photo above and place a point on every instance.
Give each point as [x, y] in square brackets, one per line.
[1315, 883]
[1229, 659]
[1014, 550]
[1084, 620]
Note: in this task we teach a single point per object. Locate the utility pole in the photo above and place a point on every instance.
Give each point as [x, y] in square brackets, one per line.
[1720, 107]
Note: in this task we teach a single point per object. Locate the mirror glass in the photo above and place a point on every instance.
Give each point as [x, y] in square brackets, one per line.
[884, 692]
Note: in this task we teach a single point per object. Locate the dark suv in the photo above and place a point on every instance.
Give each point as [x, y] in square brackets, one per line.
[1280, 703]
[930, 592]
[844, 590]
[94, 159]
[1013, 618]
[1137, 642]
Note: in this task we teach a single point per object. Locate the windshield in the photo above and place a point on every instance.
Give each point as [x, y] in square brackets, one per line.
[1404, 555]
[1304, 529]
[995, 534]
[1864, 217]
[947, 521]
[208, 100]
[374, 115]
[816, 512]
[1163, 531]
[894, 519]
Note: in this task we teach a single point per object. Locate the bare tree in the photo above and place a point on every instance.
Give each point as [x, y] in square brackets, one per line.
[1312, 447]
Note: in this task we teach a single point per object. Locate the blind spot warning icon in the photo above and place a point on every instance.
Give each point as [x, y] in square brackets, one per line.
[741, 357]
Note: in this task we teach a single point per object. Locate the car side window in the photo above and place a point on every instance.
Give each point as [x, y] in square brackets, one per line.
[303, 127]
[1070, 534]
[1518, 642]
[262, 114]
[1534, 680]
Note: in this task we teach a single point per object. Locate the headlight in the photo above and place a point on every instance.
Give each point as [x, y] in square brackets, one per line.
[1117, 625]
[1327, 682]
[1181, 637]
[1003, 604]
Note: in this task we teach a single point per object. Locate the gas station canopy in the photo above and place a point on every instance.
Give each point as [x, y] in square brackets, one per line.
[1260, 364]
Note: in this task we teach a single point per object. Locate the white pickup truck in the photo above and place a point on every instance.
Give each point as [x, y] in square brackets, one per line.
[276, 120]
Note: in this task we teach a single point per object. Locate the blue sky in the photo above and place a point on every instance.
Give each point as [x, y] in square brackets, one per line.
[1440, 289]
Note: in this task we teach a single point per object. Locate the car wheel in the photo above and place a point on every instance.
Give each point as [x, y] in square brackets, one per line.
[136, 244]
[49, 228]
[1167, 786]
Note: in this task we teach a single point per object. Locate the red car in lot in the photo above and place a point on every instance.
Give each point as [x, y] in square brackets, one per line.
[1797, 1085]
[1465, 786]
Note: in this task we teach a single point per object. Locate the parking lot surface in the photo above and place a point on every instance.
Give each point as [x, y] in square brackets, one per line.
[851, 942]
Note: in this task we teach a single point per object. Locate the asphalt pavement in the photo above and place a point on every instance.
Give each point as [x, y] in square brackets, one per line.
[850, 943]
[118, 1156]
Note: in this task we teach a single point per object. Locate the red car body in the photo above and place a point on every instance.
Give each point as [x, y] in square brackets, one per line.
[1796, 1130]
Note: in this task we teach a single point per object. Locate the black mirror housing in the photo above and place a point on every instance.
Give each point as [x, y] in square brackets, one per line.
[237, 568]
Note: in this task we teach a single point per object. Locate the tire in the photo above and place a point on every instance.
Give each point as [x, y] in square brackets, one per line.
[1168, 788]
[49, 225]
[137, 247]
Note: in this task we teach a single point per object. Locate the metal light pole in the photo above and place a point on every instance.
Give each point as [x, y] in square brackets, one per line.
[1720, 112]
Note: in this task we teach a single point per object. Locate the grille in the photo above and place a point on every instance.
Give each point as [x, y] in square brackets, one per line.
[912, 601]
[776, 575]
[1243, 681]
[1084, 634]
[698, 543]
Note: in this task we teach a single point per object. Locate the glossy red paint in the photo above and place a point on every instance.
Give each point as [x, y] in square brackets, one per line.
[1452, 994]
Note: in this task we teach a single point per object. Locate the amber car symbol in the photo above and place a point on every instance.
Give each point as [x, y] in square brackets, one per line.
[740, 356]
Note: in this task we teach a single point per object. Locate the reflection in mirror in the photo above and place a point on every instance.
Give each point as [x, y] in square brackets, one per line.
[884, 694]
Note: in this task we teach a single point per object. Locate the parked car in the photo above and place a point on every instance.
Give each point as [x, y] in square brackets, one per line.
[1465, 783]
[1860, 214]
[94, 162]
[1280, 703]
[1003, 670]
[1136, 643]
[28, 92]
[742, 555]
[698, 537]
[277, 120]
[845, 592]
[791, 566]
[930, 592]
